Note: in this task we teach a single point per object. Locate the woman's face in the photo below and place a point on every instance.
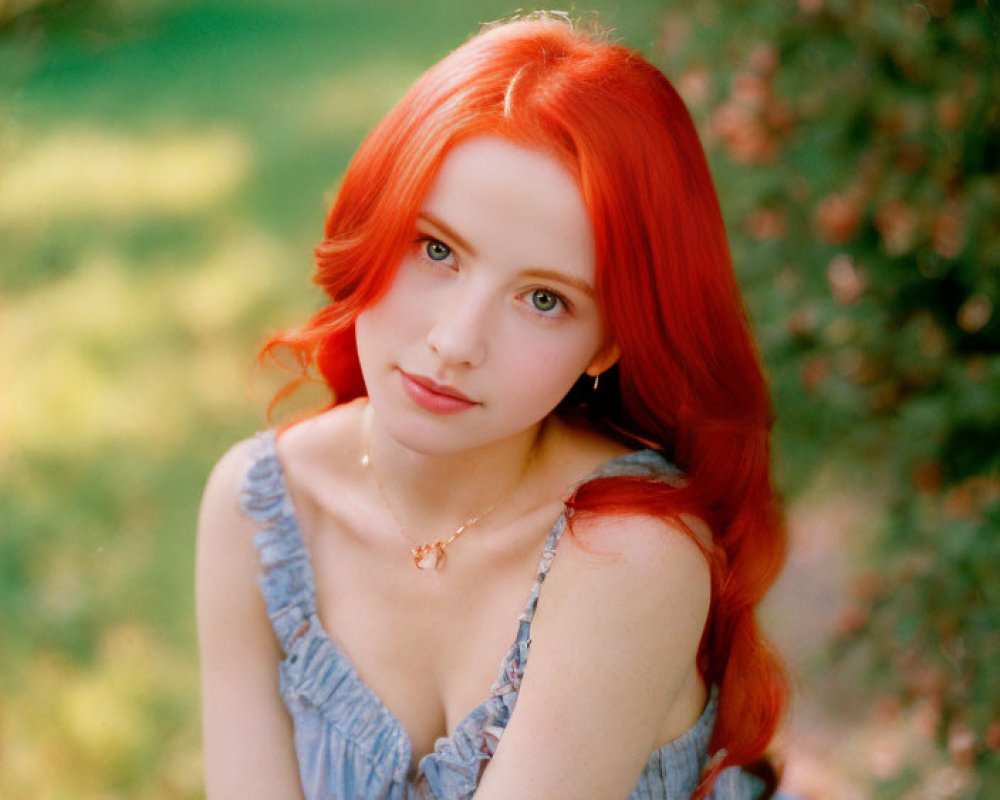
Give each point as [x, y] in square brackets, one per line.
[493, 301]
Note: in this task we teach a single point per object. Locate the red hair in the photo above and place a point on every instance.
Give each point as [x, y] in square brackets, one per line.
[689, 379]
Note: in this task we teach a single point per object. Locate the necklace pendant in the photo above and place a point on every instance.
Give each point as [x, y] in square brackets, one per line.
[428, 556]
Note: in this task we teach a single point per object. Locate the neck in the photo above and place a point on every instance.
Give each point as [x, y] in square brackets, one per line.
[431, 494]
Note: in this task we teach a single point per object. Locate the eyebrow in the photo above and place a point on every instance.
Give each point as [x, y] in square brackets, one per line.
[547, 274]
[437, 223]
[553, 275]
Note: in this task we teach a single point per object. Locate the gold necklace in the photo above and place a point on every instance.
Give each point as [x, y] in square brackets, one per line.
[430, 555]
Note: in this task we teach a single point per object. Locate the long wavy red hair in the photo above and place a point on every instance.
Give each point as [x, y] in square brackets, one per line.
[689, 379]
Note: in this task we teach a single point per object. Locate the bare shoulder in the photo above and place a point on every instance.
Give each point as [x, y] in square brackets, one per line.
[226, 568]
[637, 564]
[630, 593]
[220, 509]
[247, 734]
[614, 646]
[314, 452]
[227, 565]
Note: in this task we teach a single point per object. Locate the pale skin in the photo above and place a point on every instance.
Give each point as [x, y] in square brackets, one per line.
[611, 674]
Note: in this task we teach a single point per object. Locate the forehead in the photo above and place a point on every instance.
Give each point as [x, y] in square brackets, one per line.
[514, 202]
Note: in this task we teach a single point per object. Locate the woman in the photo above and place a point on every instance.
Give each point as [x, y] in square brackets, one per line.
[533, 329]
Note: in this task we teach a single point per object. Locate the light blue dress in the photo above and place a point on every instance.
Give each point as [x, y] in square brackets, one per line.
[349, 746]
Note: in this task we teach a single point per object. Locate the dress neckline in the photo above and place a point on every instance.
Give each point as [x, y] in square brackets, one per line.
[312, 642]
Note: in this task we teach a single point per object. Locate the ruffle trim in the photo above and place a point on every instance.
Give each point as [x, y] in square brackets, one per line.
[286, 579]
[453, 770]
[318, 675]
[314, 672]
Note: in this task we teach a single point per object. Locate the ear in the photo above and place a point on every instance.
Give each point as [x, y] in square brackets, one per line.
[606, 357]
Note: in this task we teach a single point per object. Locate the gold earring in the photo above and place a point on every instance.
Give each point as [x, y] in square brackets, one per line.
[597, 377]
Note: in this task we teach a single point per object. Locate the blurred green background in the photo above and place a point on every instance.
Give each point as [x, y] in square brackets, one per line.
[164, 171]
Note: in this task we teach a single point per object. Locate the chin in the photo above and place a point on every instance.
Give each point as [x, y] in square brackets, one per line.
[418, 430]
[426, 439]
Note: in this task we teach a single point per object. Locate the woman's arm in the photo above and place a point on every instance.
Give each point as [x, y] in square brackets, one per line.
[248, 744]
[612, 658]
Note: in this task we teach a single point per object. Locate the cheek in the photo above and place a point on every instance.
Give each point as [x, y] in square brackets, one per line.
[545, 371]
[375, 336]
[391, 318]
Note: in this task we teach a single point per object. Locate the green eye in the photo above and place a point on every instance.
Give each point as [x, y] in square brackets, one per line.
[437, 251]
[543, 300]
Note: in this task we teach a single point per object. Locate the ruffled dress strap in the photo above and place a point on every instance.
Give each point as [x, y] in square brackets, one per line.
[344, 735]
[286, 578]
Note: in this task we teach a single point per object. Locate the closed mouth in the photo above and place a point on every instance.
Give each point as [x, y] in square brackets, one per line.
[438, 388]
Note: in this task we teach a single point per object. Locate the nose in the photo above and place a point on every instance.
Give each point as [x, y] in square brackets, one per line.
[457, 335]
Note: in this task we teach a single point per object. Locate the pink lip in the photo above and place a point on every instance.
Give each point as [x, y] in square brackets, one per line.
[438, 388]
[433, 396]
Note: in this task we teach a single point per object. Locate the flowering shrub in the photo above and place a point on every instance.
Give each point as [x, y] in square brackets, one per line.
[857, 148]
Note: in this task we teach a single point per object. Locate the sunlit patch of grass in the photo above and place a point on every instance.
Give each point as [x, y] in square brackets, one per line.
[91, 172]
[112, 728]
[111, 353]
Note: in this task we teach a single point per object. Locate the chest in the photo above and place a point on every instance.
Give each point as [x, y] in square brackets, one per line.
[429, 644]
